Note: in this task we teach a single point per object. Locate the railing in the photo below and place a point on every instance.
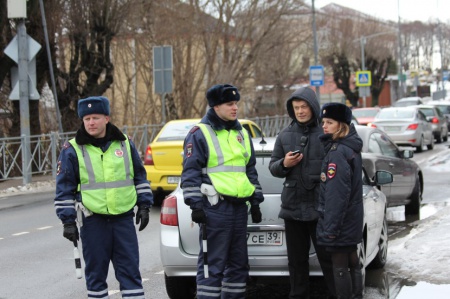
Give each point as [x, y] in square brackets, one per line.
[45, 148]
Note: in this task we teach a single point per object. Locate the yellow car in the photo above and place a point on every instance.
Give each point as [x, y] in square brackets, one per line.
[164, 155]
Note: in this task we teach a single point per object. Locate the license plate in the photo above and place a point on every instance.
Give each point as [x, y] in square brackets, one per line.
[392, 129]
[173, 179]
[265, 238]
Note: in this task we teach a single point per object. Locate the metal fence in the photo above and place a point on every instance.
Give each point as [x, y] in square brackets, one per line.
[45, 148]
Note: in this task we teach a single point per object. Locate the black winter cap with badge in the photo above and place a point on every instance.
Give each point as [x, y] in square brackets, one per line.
[337, 111]
[222, 93]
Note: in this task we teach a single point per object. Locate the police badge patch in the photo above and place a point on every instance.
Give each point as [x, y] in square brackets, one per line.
[189, 148]
[331, 172]
[118, 153]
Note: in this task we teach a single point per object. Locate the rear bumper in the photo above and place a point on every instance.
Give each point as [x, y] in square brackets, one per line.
[158, 179]
[176, 262]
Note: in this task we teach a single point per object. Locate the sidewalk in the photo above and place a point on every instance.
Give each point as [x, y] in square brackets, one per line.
[16, 186]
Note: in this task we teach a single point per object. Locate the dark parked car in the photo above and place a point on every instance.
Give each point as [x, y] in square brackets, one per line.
[266, 241]
[381, 153]
[444, 107]
[438, 121]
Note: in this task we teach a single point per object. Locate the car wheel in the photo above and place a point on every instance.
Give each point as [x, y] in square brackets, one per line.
[413, 208]
[419, 148]
[380, 259]
[362, 259]
[180, 287]
[431, 145]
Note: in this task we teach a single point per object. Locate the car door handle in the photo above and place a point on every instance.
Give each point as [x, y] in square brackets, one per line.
[391, 164]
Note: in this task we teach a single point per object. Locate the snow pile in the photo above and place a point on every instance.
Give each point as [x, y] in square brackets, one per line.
[40, 186]
[423, 254]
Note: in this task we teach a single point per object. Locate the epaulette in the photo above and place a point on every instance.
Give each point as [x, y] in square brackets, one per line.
[194, 128]
[66, 145]
[334, 147]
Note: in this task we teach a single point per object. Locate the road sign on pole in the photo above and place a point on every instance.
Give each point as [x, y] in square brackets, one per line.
[363, 78]
[316, 75]
[12, 51]
[162, 69]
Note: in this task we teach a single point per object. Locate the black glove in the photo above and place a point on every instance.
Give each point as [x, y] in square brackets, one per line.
[71, 232]
[143, 216]
[256, 214]
[198, 216]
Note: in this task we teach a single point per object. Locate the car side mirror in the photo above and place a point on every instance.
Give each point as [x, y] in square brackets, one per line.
[383, 177]
[407, 154]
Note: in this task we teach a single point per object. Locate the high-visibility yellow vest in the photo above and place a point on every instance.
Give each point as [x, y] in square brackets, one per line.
[229, 153]
[106, 178]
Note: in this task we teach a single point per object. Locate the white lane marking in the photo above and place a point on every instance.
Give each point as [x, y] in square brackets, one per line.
[45, 227]
[160, 272]
[22, 233]
[112, 292]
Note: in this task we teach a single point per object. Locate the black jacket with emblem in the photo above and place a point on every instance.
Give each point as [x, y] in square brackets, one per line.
[340, 202]
[299, 197]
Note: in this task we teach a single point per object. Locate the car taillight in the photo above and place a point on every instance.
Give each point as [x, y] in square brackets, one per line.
[148, 158]
[372, 125]
[412, 127]
[435, 120]
[169, 215]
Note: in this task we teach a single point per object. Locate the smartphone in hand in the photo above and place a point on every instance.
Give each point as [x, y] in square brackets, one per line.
[296, 152]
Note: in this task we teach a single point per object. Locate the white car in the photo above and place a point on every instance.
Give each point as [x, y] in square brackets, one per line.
[179, 236]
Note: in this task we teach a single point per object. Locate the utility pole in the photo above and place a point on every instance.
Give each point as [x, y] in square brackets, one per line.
[315, 45]
[400, 58]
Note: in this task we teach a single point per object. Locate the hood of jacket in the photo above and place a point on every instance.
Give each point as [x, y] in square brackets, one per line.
[308, 95]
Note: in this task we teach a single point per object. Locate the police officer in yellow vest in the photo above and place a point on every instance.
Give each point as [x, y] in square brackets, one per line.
[219, 179]
[100, 179]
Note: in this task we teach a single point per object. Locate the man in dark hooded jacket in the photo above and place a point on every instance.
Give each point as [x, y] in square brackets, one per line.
[297, 156]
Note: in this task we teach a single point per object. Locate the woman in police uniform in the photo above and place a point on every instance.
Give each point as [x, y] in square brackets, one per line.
[340, 202]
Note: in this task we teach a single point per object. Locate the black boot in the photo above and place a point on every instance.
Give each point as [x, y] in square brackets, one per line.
[357, 283]
[343, 282]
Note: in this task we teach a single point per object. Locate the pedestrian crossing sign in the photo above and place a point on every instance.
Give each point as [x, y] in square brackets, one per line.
[363, 78]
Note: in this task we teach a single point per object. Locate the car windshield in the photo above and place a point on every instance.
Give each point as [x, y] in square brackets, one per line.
[175, 131]
[364, 112]
[395, 113]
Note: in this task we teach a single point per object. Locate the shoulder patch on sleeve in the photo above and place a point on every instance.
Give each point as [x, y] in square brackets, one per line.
[331, 172]
[194, 128]
[334, 147]
[189, 149]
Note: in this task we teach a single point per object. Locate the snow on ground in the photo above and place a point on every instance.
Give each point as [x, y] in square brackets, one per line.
[423, 254]
[40, 186]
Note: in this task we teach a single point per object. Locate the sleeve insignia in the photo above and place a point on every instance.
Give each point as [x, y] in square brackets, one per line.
[188, 150]
[323, 177]
[331, 172]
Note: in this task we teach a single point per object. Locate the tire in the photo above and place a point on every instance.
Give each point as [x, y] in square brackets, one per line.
[419, 148]
[381, 258]
[362, 260]
[181, 287]
[413, 208]
[431, 145]
[439, 137]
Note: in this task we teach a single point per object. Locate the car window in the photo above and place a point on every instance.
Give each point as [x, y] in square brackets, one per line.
[373, 146]
[427, 111]
[257, 132]
[387, 147]
[175, 131]
[421, 116]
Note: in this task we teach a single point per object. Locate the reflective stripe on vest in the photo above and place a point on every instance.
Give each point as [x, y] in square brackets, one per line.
[106, 178]
[229, 153]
